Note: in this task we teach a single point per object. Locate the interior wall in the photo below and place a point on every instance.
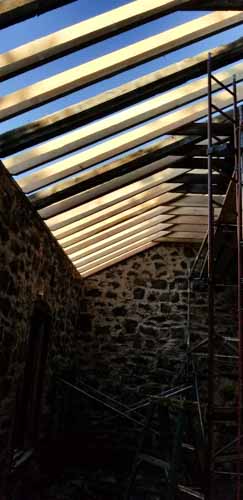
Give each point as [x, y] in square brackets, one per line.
[136, 322]
[121, 331]
[31, 264]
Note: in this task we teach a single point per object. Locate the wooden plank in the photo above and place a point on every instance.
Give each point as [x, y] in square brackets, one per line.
[130, 117]
[197, 200]
[81, 238]
[190, 228]
[97, 261]
[81, 34]
[91, 179]
[179, 235]
[136, 238]
[87, 247]
[142, 175]
[189, 219]
[106, 201]
[104, 173]
[116, 99]
[113, 63]
[181, 205]
[109, 217]
[123, 143]
[69, 208]
[128, 252]
[15, 11]
[191, 211]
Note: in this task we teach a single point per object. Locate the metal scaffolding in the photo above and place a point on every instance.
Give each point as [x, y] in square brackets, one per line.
[217, 147]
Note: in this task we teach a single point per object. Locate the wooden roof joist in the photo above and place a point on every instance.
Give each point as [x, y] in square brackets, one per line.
[120, 252]
[63, 210]
[118, 246]
[130, 251]
[82, 34]
[116, 99]
[73, 215]
[134, 179]
[188, 204]
[184, 236]
[122, 121]
[73, 79]
[104, 173]
[106, 218]
[89, 249]
[123, 143]
[130, 223]
[127, 218]
[198, 200]
[15, 11]
[48, 196]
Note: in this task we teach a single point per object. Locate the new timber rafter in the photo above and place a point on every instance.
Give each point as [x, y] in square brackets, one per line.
[82, 34]
[120, 144]
[116, 99]
[116, 62]
[157, 106]
[15, 11]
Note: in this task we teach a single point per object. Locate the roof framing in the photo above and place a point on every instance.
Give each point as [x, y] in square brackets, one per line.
[115, 62]
[116, 99]
[130, 117]
[123, 143]
[102, 213]
[82, 34]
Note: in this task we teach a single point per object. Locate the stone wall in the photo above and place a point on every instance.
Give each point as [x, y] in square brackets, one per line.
[136, 321]
[31, 264]
[121, 331]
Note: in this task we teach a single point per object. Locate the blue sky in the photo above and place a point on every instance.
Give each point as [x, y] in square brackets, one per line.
[76, 12]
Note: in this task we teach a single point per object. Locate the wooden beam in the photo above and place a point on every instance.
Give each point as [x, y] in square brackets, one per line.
[117, 240]
[106, 250]
[116, 99]
[142, 174]
[105, 173]
[197, 200]
[64, 209]
[82, 240]
[190, 228]
[109, 217]
[181, 205]
[82, 34]
[120, 252]
[128, 252]
[83, 248]
[188, 219]
[123, 143]
[15, 11]
[180, 235]
[73, 215]
[90, 180]
[182, 211]
[81, 76]
[107, 127]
